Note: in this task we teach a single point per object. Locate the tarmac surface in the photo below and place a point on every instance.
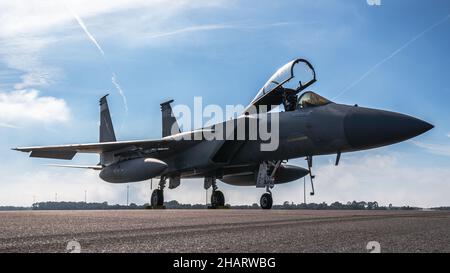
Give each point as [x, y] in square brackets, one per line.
[224, 231]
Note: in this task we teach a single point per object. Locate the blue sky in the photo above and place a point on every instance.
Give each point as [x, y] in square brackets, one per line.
[52, 75]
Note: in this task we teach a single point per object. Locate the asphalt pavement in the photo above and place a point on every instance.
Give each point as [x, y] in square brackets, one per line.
[224, 231]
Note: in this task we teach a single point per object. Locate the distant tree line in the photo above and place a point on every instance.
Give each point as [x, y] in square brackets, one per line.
[82, 206]
[441, 208]
[6, 208]
[355, 205]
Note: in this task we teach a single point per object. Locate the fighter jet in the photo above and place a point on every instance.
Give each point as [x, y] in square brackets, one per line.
[309, 126]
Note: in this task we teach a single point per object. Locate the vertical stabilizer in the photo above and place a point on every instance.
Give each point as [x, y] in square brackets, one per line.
[106, 131]
[169, 122]
[106, 126]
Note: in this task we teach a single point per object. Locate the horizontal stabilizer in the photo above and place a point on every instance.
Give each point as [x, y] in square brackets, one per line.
[97, 167]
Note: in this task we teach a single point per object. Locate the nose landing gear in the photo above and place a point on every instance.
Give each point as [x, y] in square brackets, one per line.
[266, 178]
[311, 176]
[157, 199]
[217, 199]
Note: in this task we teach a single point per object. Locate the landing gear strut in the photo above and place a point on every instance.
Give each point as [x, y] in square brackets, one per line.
[157, 199]
[311, 176]
[266, 178]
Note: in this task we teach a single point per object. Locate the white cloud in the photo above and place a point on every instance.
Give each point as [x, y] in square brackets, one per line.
[29, 27]
[386, 178]
[23, 55]
[40, 16]
[69, 185]
[434, 148]
[26, 106]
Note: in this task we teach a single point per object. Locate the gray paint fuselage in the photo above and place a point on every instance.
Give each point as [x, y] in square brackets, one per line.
[317, 130]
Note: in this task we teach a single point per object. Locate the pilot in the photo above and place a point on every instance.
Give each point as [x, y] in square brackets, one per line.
[289, 99]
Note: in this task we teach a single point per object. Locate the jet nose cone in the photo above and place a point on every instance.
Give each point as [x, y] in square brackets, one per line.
[368, 128]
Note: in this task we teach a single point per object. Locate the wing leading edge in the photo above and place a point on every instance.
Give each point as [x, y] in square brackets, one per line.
[70, 150]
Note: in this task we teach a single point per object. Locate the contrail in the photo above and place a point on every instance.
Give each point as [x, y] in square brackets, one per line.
[83, 26]
[94, 41]
[377, 65]
[197, 28]
[116, 84]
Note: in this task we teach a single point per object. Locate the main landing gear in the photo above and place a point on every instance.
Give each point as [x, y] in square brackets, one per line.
[157, 200]
[217, 197]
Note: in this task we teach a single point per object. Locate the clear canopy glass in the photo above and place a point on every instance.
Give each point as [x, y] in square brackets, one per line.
[285, 77]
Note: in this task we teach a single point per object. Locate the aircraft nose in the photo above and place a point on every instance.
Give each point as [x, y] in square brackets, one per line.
[368, 128]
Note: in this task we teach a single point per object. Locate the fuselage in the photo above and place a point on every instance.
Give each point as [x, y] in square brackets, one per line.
[310, 131]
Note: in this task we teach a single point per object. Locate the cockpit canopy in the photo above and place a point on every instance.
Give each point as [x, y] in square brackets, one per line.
[294, 77]
[311, 99]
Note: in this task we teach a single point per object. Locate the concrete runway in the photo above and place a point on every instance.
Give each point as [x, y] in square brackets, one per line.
[224, 231]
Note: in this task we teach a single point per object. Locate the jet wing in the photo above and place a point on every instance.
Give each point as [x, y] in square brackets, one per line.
[70, 150]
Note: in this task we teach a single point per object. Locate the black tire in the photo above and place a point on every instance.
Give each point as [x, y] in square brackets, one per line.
[157, 198]
[217, 199]
[266, 201]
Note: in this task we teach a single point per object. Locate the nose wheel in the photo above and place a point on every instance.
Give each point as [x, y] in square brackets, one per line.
[157, 199]
[266, 201]
[217, 199]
